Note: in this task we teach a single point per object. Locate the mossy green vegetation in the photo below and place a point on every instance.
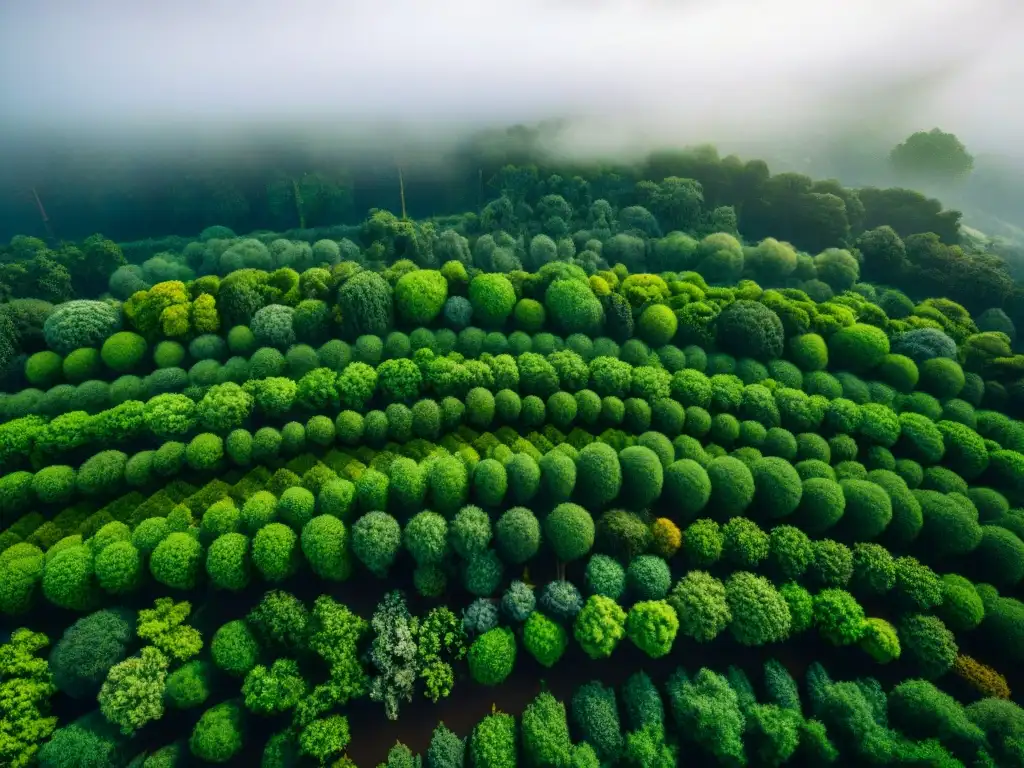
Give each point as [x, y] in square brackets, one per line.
[567, 429]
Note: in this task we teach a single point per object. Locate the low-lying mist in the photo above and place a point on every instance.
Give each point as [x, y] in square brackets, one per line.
[95, 94]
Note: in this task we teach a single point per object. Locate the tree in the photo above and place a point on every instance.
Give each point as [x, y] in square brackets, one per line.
[677, 202]
[446, 749]
[596, 715]
[517, 535]
[789, 207]
[177, 560]
[88, 742]
[932, 156]
[652, 626]
[366, 305]
[275, 551]
[441, 640]
[569, 529]
[759, 613]
[707, 709]
[220, 733]
[545, 730]
[376, 538]
[324, 738]
[700, 602]
[885, 256]
[546, 640]
[493, 656]
[600, 626]
[274, 690]
[133, 693]
[400, 756]
[88, 649]
[325, 543]
[426, 538]
[921, 710]
[164, 626]
[234, 649]
[909, 212]
[280, 621]
[493, 742]
[25, 690]
[393, 654]
[335, 635]
[190, 684]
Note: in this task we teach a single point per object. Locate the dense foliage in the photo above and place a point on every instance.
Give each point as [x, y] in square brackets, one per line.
[608, 419]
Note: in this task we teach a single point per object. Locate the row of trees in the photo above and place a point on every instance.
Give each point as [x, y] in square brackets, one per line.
[140, 666]
[326, 190]
[251, 308]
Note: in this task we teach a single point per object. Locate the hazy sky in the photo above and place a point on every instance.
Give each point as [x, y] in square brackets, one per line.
[142, 73]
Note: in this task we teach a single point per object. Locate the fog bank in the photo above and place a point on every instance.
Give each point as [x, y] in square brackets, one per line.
[116, 77]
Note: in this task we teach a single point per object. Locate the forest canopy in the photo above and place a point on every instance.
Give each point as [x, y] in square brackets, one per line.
[268, 497]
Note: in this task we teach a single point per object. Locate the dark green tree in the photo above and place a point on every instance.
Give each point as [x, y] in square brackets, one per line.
[932, 156]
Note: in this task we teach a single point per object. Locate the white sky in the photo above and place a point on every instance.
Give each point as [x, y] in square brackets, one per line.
[642, 72]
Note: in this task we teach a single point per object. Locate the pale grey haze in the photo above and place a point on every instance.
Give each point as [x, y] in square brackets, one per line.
[153, 76]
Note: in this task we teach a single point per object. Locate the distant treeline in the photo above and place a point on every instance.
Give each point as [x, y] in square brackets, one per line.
[279, 190]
